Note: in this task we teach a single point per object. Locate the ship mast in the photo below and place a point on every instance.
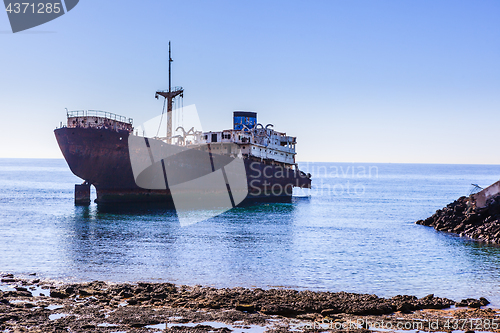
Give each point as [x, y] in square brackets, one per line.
[170, 95]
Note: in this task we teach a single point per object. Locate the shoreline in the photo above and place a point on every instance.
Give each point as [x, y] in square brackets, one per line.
[36, 305]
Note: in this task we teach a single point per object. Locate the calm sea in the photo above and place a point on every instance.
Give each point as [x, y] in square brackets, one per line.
[353, 232]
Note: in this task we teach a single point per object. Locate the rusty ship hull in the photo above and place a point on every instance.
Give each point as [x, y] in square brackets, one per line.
[100, 157]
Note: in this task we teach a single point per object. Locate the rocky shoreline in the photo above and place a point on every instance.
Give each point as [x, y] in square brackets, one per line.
[464, 218]
[33, 305]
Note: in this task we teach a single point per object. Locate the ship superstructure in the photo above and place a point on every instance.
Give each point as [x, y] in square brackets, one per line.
[255, 141]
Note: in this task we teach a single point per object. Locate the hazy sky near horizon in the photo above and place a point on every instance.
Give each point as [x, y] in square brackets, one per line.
[355, 81]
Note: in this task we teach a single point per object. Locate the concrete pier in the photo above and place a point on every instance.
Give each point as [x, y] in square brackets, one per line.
[82, 194]
[486, 194]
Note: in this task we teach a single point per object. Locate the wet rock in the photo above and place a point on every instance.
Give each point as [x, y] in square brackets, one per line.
[8, 280]
[125, 294]
[329, 312]
[472, 303]
[475, 304]
[276, 309]
[17, 294]
[132, 301]
[433, 302]
[370, 309]
[484, 301]
[138, 324]
[88, 327]
[160, 296]
[7, 317]
[245, 307]
[405, 307]
[86, 292]
[58, 294]
[308, 316]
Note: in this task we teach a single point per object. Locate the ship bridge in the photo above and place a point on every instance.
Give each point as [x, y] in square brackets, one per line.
[254, 140]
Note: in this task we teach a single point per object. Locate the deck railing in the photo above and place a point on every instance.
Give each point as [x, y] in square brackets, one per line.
[98, 113]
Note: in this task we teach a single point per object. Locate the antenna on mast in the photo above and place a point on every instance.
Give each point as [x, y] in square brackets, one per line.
[170, 95]
[169, 68]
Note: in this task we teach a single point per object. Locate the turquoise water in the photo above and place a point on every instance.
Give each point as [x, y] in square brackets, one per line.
[354, 232]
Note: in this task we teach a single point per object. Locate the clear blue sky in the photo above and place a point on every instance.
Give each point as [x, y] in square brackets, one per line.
[355, 81]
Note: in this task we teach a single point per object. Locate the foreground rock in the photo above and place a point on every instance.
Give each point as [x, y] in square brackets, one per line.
[465, 218]
[37, 306]
[282, 302]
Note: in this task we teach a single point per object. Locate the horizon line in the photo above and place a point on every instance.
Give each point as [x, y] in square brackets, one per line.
[339, 162]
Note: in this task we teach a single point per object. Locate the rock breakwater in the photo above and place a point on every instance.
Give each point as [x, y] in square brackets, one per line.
[464, 218]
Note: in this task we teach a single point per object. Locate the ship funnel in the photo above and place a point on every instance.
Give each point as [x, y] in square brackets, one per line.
[240, 118]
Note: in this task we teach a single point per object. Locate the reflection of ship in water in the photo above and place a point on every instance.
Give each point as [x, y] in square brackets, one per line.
[102, 149]
[111, 247]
